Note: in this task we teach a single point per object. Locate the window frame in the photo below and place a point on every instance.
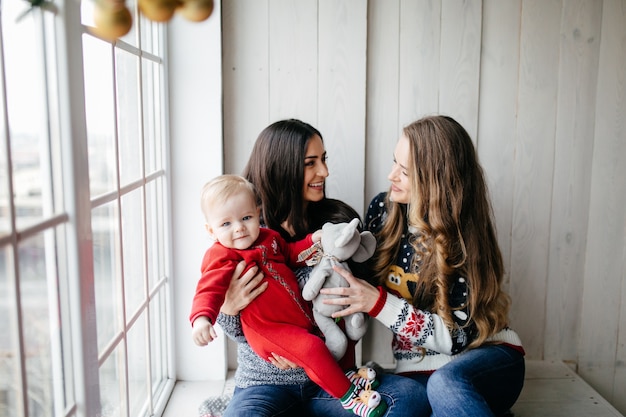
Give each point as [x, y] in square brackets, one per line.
[67, 123]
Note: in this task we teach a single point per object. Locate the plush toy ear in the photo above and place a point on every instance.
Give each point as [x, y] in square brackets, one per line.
[347, 234]
[366, 247]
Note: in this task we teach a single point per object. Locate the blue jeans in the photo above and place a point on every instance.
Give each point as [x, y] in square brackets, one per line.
[267, 401]
[404, 397]
[481, 382]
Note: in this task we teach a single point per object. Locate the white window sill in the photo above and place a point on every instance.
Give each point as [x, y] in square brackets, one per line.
[187, 396]
[551, 389]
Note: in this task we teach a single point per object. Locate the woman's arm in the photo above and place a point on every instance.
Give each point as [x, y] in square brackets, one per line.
[413, 327]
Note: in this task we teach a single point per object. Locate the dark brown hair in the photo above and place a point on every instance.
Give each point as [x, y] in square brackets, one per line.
[276, 168]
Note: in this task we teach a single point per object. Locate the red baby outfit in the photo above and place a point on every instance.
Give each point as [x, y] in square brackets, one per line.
[279, 320]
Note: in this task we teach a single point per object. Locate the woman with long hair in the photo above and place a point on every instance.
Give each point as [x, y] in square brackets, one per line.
[288, 169]
[437, 275]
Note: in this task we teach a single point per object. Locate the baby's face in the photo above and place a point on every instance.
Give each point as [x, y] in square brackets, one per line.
[235, 224]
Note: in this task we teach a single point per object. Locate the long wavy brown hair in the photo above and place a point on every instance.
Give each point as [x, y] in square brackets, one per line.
[452, 215]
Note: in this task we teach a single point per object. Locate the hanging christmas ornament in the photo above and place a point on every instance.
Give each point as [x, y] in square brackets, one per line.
[158, 10]
[196, 10]
[112, 19]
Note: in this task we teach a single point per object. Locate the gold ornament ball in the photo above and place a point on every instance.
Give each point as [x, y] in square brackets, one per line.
[112, 20]
[158, 10]
[196, 10]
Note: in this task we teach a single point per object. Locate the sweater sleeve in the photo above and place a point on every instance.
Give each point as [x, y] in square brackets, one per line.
[292, 251]
[217, 270]
[415, 328]
[231, 325]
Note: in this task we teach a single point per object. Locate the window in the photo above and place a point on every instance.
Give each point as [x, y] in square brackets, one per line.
[84, 216]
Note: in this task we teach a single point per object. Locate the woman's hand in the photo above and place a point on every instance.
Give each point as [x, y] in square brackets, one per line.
[281, 363]
[359, 297]
[243, 289]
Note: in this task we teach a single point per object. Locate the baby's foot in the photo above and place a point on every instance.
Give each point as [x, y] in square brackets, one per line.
[364, 403]
[364, 378]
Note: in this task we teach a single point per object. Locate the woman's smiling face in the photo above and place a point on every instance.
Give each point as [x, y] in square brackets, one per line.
[399, 176]
[315, 170]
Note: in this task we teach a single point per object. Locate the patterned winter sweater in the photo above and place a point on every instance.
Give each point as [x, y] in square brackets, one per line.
[414, 329]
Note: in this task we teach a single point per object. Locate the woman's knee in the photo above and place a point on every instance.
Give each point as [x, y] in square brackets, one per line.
[442, 379]
[404, 396]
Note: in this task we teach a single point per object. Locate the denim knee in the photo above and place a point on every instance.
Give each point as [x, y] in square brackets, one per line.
[441, 380]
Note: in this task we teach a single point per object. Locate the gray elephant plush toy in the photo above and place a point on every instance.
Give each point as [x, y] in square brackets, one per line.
[339, 242]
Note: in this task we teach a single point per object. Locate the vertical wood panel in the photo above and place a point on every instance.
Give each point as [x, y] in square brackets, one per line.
[578, 71]
[460, 61]
[245, 73]
[342, 71]
[293, 60]
[383, 59]
[602, 304]
[534, 168]
[382, 131]
[497, 114]
[420, 49]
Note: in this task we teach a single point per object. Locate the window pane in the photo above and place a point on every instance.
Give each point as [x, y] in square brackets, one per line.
[138, 367]
[158, 340]
[112, 374]
[8, 343]
[46, 323]
[151, 123]
[149, 34]
[128, 113]
[100, 114]
[155, 220]
[133, 259]
[36, 294]
[107, 270]
[24, 66]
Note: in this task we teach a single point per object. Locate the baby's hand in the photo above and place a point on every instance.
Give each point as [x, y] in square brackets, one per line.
[317, 236]
[203, 332]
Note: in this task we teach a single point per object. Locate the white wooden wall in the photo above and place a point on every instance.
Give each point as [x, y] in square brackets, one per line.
[541, 87]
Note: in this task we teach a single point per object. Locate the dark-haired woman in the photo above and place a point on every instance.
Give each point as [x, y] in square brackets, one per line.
[288, 168]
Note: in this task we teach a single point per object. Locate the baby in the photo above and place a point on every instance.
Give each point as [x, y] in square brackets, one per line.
[279, 320]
